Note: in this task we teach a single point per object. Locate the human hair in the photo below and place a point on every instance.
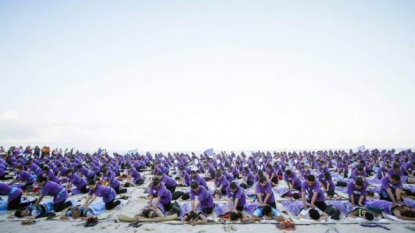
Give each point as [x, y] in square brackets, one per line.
[68, 171]
[369, 216]
[92, 182]
[19, 211]
[192, 172]
[194, 185]
[408, 213]
[185, 196]
[396, 177]
[149, 213]
[327, 175]
[311, 178]
[359, 168]
[42, 178]
[262, 179]
[233, 185]
[370, 193]
[296, 196]
[218, 173]
[156, 181]
[314, 214]
[191, 216]
[266, 210]
[235, 216]
[288, 172]
[244, 186]
[359, 181]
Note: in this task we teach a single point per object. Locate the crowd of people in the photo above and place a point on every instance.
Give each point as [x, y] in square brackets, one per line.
[310, 176]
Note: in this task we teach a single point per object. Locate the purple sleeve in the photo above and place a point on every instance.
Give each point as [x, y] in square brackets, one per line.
[385, 182]
[192, 195]
[257, 188]
[317, 187]
[304, 186]
[350, 188]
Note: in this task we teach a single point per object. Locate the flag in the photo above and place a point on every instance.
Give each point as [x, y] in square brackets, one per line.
[209, 152]
[131, 152]
[362, 148]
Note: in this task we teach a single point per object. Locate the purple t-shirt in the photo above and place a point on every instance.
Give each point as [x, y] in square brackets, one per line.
[222, 181]
[203, 196]
[291, 178]
[239, 193]
[310, 190]
[77, 181]
[107, 193]
[11, 192]
[168, 181]
[387, 184]
[112, 179]
[352, 190]
[53, 189]
[162, 192]
[25, 176]
[263, 190]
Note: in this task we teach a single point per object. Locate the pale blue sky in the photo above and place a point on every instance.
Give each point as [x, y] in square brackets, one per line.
[190, 75]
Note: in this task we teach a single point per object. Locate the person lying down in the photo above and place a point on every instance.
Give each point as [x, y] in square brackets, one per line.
[33, 212]
[149, 214]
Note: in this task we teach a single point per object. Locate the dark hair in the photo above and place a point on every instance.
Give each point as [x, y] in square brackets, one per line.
[192, 215]
[359, 181]
[288, 172]
[19, 211]
[311, 178]
[314, 214]
[68, 171]
[156, 181]
[42, 178]
[194, 185]
[396, 177]
[233, 185]
[408, 213]
[244, 186]
[235, 216]
[185, 196]
[45, 168]
[149, 213]
[327, 175]
[92, 182]
[218, 173]
[266, 210]
[359, 168]
[192, 172]
[369, 216]
[296, 196]
[370, 193]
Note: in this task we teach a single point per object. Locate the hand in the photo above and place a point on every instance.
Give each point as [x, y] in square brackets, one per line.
[394, 204]
[312, 206]
[360, 204]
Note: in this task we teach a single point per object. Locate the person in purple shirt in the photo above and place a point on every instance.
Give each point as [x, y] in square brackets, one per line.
[327, 184]
[199, 180]
[89, 175]
[247, 177]
[49, 173]
[157, 189]
[391, 189]
[168, 182]
[204, 199]
[395, 170]
[107, 193]
[383, 171]
[409, 168]
[113, 181]
[53, 189]
[305, 172]
[23, 176]
[80, 183]
[236, 197]
[264, 192]
[135, 175]
[357, 192]
[3, 174]
[293, 182]
[14, 196]
[220, 183]
[315, 195]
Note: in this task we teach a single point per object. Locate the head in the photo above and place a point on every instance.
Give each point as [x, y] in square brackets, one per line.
[262, 181]
[314, 214]
[359, 183]
[267, 210]
[296, 196]
[408, 213]
[395, 179]
[159, 175]
[218, 175]
[369, 216]
[311, 179]
[76, 212]
[149, 213]
[370, 193]
[92, 184]
[22, 212]
[69, 173]
[193, 174]
[288, 172]
[235, 216]
[233, 186]
[396, 167]
[192, 216]
[194, 186]
[186, 196]
[41, 180]
[156, 182]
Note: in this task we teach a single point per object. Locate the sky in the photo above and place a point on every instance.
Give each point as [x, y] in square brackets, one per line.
[191, 75]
